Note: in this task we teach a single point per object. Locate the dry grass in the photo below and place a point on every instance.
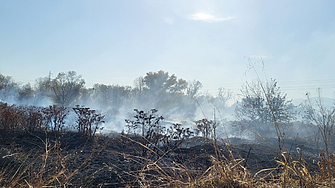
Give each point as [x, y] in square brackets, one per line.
[54, 167]
[172, 169]
[137, 165]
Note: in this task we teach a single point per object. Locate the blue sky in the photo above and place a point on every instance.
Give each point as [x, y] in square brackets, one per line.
[114, 42]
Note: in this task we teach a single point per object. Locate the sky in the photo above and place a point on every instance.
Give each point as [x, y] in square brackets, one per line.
[214, 42]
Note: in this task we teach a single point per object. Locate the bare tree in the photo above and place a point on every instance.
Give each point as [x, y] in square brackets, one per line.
[66, 87]
[224, 95]
[43, 87]
[322, 117]
[193, 88]
[260, 104]
[139, 84]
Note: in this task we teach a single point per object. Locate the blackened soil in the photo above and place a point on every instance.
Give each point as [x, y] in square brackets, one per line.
[70, 160]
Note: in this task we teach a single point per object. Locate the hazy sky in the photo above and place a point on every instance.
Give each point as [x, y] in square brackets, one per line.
[116, 41]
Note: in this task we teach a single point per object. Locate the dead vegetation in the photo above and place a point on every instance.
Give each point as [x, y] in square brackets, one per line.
[36, 154]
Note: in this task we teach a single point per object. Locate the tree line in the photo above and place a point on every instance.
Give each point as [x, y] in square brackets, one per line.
[261, 103]
[158, 90]
[263, 109]
[154, 90]
[68, 88]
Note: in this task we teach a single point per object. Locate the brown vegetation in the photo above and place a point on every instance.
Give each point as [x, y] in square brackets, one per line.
[34, 154]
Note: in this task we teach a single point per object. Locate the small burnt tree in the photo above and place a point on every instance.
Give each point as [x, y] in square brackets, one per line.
[32, 118]
[54, 117]
[176, 135]
[88, 121]
[316, 113]
[150, 126]
[207, 128]
[264, 105]
[10, 117]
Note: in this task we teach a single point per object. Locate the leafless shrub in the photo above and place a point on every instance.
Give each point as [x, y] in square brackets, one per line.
[88, 121]
[55, 117]
[155, 136]
[150, 126]
[207, 128]
[176, 135]
[32, 118]
[35, 119]
[323, 118]
[14, 117]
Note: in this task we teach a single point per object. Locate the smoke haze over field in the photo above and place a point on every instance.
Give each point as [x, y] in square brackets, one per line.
[207, 52]
[177, 100]
[113, 42]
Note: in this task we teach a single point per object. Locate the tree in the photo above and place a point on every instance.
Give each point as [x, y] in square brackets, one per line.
[6, 82]
[220, 102]
[148, 122]
[162, 82]
[139, 84]
[26, 92]
[262, 104]
[110, 95]
[86, 96]
[100, 94]
[193, 88]
[207, 128]
[159, 90]
[322, 117]
[66, 87]
[8, 88]
[224, 95]
[43, 86]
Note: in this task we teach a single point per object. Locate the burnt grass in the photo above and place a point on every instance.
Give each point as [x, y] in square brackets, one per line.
[66, 158]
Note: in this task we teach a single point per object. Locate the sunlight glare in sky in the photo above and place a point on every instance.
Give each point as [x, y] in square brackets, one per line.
[115, 42]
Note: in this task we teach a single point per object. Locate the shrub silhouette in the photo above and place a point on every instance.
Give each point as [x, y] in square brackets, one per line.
[55, 117]
[88, 121]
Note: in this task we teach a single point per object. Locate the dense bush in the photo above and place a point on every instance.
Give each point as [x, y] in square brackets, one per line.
[14, 117]
[32, 118]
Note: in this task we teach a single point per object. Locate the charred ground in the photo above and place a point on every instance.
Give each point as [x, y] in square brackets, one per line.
[68, 159]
